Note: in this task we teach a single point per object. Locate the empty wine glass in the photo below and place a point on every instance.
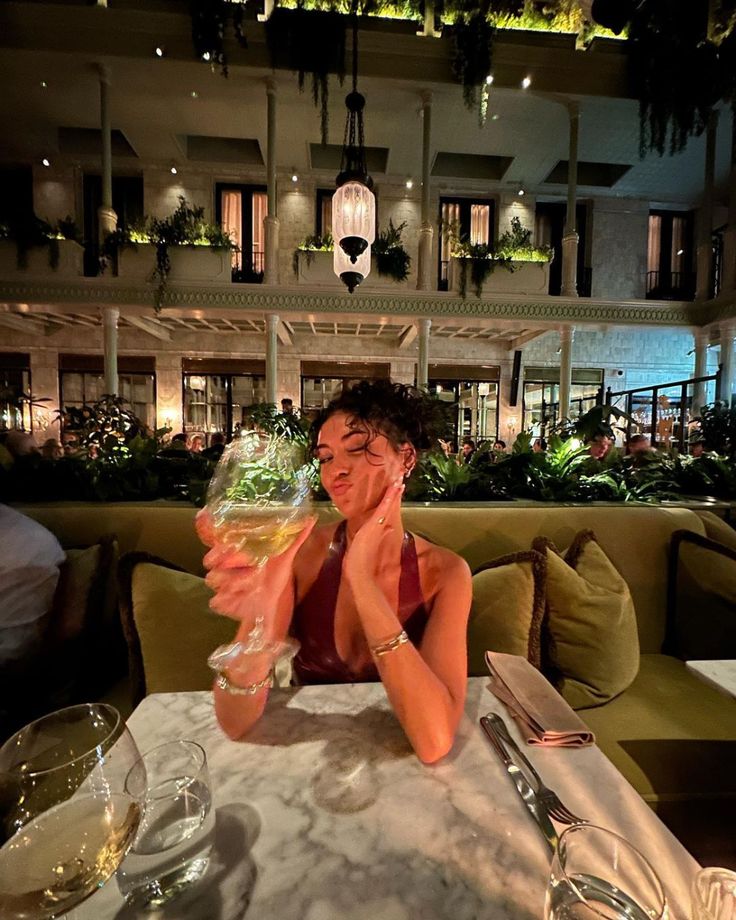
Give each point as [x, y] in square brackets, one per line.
[259, 496]
[66, 819]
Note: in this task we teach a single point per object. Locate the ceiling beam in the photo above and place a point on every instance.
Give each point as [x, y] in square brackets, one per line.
[407, 336]
[149, 326]
[520, 340]
[20, 323]
[283, 333]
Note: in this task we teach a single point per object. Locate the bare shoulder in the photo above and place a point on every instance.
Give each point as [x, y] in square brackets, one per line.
[440, 566]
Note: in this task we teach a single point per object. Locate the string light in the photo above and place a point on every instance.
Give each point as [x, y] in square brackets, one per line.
[410, 183]
[159, 51]
[526, 82]
[174, 170]
[45, 161]
[489, 79]
[294, 177]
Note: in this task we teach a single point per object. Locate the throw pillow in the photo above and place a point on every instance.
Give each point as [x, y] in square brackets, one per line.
[590, 638]
[507, 610]
[701, 604]
[169, 626]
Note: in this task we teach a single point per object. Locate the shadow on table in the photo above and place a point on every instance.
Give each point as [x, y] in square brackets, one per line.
[226, 889]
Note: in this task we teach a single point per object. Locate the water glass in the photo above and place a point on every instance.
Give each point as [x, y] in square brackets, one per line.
[597, 874]
[714, 895]
[171, 851]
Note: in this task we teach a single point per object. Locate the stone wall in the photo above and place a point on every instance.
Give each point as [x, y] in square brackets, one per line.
[619, 234]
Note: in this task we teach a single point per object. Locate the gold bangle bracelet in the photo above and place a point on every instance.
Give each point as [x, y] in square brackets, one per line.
[390, 646]
[224, 683]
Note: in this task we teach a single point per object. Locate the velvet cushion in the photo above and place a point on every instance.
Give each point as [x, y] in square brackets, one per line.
[589, 637]
[507, 610]
[702, 590]
[168, 625]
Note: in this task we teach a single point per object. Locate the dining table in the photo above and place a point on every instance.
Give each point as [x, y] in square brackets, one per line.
[323, 812]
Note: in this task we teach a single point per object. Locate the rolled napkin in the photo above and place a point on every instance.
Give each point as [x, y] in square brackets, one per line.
[541, 713]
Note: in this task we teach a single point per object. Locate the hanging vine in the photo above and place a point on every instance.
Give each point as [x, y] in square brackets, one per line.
[209, 25]
[311, 43]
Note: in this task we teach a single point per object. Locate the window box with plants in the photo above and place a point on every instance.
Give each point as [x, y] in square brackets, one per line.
[512, 266]
[35, 248]
[181, 247]
[390, 262]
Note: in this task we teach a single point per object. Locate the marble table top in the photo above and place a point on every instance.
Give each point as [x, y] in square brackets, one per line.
[324, 813]
[721, 674]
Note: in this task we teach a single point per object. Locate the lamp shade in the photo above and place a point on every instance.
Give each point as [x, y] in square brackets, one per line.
[353, 217]
[349, 272]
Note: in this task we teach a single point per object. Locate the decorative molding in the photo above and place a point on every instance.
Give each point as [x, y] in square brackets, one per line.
[258, 298]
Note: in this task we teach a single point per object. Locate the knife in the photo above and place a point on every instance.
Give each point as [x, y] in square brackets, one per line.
[523, 787]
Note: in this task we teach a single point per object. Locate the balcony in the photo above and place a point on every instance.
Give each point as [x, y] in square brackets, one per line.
[42, 261]
[670, 286]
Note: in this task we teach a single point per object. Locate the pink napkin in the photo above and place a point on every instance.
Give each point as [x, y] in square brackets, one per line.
[541, 713]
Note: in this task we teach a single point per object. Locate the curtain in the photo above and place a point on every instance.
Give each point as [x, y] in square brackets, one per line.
[260, 210]
[655, 242]
[232, 221]
[450, 217]
[677, 255]
[480, 218]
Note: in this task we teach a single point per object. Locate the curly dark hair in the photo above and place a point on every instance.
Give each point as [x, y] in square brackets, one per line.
[402, 413]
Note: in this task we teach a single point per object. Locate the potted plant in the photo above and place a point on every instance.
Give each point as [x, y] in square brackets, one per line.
[526, 267]
[35, 247]
[390, 257]
[186, 248]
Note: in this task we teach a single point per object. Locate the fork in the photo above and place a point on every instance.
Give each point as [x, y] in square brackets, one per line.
[548, 797]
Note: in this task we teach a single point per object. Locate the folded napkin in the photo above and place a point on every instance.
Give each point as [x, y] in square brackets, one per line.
[543, 716]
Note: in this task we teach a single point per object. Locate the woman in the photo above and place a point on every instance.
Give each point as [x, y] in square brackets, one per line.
[365, 600]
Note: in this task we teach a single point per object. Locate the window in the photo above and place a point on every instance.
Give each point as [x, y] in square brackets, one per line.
[218, 392]
[82, 382]
[541, 397]
[127, 202]
[473, 221]
[473, 392]
[16, 194]
[670, 256]
[324, 211]
[549, 228]
[15, 382]
[323, 380]
[240, 210]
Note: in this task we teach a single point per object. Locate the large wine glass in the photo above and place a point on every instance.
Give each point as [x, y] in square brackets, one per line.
[259, 494]
[258, 501]
[66, 819]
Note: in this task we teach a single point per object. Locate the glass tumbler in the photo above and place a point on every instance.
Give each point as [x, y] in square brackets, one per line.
[171, 851]
[597, 874]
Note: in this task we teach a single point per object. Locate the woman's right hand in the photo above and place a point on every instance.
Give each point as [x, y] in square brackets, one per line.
[244, 590]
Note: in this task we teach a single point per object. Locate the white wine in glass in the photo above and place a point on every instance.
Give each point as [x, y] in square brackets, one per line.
[259, 495]
[66, 819]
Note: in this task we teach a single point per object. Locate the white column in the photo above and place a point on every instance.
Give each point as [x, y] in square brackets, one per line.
[567, 334]
[429, 30]
[426, 230]
[107, 219]
[701, 339]
[271, 221]
[570, 239]
[424, 325]
[705, 217]
[110, 317]
[727, 335]
[272, 346]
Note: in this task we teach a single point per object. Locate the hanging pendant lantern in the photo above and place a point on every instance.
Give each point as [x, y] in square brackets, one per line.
[353, 204]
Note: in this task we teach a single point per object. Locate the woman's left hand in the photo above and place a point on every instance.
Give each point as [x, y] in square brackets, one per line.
[366, 551]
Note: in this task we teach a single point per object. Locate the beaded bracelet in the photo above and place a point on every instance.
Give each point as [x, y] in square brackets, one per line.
[390, 646]
[224, 683]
